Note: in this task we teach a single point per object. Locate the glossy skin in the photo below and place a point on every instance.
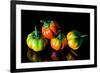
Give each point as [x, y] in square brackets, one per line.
[49, 29]
[74, 39]
[47, 33]
[36, 44]
[58, 44]
[55, 44]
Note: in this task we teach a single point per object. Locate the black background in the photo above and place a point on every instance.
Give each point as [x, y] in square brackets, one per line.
[67, 21]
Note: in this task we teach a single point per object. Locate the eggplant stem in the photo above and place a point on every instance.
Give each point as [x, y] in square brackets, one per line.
[59, 35]
[36, 32]
[45, 23]
[74, 52]
[84, 36]
[41, 21]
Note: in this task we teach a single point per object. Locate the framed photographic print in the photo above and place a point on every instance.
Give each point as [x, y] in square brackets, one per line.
[51, 36]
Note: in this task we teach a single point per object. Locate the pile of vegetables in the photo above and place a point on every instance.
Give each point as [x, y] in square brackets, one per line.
[50, 43]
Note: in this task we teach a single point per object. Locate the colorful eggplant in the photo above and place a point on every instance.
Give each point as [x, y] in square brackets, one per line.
[49, 29]
[35, 41]
[75, 39]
